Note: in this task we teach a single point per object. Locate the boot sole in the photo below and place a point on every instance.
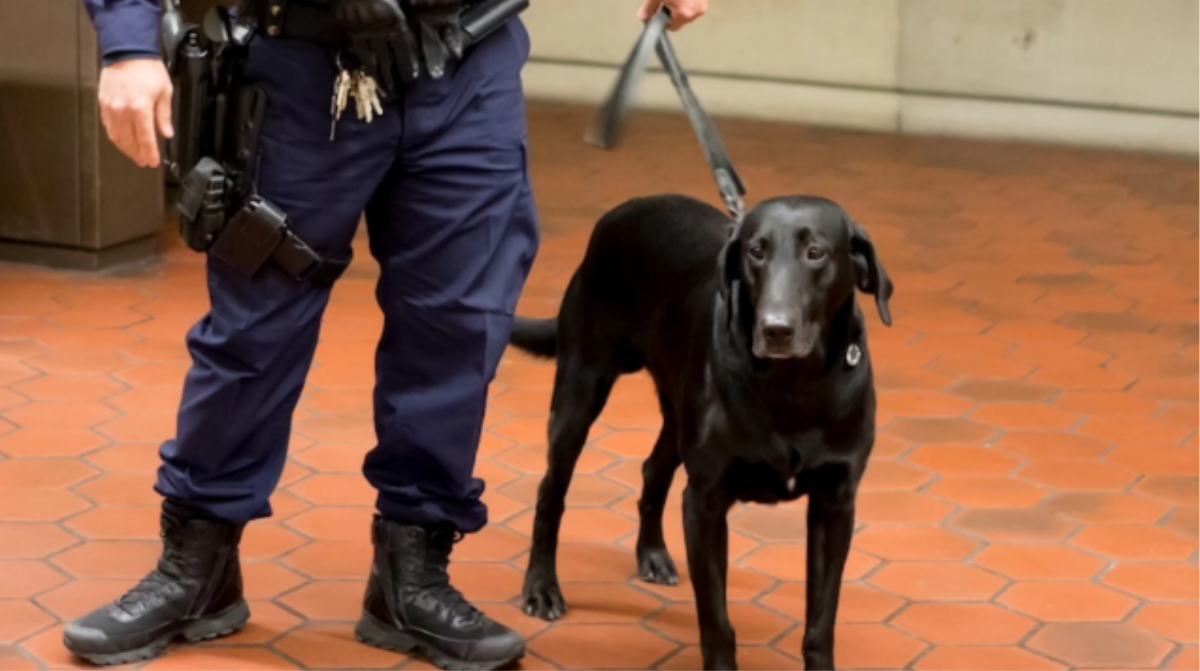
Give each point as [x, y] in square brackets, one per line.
[376, 634]
[228, 622]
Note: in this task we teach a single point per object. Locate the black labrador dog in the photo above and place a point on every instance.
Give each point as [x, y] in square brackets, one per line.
[758, 352]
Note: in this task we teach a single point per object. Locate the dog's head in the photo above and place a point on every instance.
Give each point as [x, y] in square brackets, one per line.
[796, 261]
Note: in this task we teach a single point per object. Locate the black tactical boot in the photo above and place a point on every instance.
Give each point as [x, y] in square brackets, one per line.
[194, 594]
[410, 604]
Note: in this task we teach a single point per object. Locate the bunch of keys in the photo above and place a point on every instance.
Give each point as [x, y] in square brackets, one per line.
[360, 86]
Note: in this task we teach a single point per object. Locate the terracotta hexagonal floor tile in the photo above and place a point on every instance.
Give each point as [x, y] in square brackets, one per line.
[984, 658]
[898, 376]
[1186, 659]
[1184, 521]
[742, 584]
[788, 562]
[586, 490]
[869, 646]
[327, 600]
[1038, 445]
[110, 559]
[987, 491]
[325, 646]
[487, 582]
[963, 623]
[140, 427]
[1067, 601]
[937, 581]
[42, 442]
[1135, 542]
[129, 458]
[11, 659]
[532, 459]
[79, 597]
[1088, 378]
[60, 414]
[12, 372]
[149, 399]
[23, 579]
[267, 580]
[493, 543]
[1179, 490]
[750, 658]
[58, 473]
[859, 602]
[923, 404]
[334, 523]
[940, 430]
[603, 603]
[1001, 391]
[335, 489]
[44, 504]
[32, 541]
[268, 541]
[1039, 562]
[1105, 507]
[582, 525]
[1120, 403]
[1156, 460]
[590, 562]
[1025, 416]
[1155, 581]
[156, 351]
[153, 374]
[332, 457]
[68, 388]
[900, 508]
[47, 648]
[581, 647]
[121, 489]
[786, 522]
[118, 522]
[1074, 474]
[753, 624]
[332, 559]
[1137, 430]
[910, 542]
[20, 618]
[883, 474]
[234, 659]
[1178, 622]
[1013, 524]
[78, 362]
[1100, 645]
[963, 460]
[627, 444]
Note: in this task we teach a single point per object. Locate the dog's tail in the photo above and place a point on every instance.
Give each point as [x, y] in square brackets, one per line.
[538, 337]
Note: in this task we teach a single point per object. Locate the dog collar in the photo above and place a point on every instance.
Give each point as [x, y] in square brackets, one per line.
[853, 355]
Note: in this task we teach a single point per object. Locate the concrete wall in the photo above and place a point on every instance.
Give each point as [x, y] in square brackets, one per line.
[1114, 73]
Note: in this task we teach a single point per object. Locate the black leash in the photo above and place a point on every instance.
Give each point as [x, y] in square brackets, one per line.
[606, 129]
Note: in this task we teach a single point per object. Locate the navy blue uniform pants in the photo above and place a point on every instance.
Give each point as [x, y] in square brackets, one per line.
[442, 179]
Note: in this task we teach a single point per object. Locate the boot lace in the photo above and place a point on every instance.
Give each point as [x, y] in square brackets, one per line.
[160, 583]
[434, 580]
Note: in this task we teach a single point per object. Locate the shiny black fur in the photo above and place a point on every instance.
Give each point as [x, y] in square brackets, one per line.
[749, 339]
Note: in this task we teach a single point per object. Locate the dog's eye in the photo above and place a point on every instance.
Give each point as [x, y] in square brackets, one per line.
[815, 254]
[756, 253]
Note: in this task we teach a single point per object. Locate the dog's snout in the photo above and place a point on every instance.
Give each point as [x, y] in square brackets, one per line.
[777, 329]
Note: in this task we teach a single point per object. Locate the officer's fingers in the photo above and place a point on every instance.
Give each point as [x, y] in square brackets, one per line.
[120, 128]
[143, 129]
[162, 113]
[648, 8]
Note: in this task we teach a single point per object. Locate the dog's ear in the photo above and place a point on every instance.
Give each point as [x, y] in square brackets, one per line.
[869, 275]
[730, 262]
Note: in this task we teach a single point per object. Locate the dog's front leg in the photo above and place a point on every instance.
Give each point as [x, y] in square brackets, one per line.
[707, 534]
[830, 527]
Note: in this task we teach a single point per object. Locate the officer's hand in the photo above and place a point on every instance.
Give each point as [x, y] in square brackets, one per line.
[440, 32]
[135, 96]
[683, 12]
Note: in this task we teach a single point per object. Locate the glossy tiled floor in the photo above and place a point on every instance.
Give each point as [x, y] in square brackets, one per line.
[1032, 503]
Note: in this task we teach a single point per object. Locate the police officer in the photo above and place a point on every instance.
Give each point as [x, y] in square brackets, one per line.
[442, 177]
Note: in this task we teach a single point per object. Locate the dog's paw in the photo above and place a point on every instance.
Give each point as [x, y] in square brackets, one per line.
[544, 599]
[656, 566]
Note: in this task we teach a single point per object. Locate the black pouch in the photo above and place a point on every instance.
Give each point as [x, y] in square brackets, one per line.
[251, 236]
[201, 204]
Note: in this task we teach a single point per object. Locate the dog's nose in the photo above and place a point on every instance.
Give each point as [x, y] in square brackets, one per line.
[777, 329]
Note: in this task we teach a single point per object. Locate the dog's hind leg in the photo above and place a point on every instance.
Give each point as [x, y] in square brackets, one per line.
[654, 561]
[580, 392]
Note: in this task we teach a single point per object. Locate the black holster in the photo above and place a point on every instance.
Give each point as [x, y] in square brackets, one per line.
[214, 153]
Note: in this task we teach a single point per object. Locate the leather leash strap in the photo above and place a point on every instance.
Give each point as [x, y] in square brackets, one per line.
[606, 129]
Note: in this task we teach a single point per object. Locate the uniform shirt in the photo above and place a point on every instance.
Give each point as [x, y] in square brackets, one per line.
[125, 28]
